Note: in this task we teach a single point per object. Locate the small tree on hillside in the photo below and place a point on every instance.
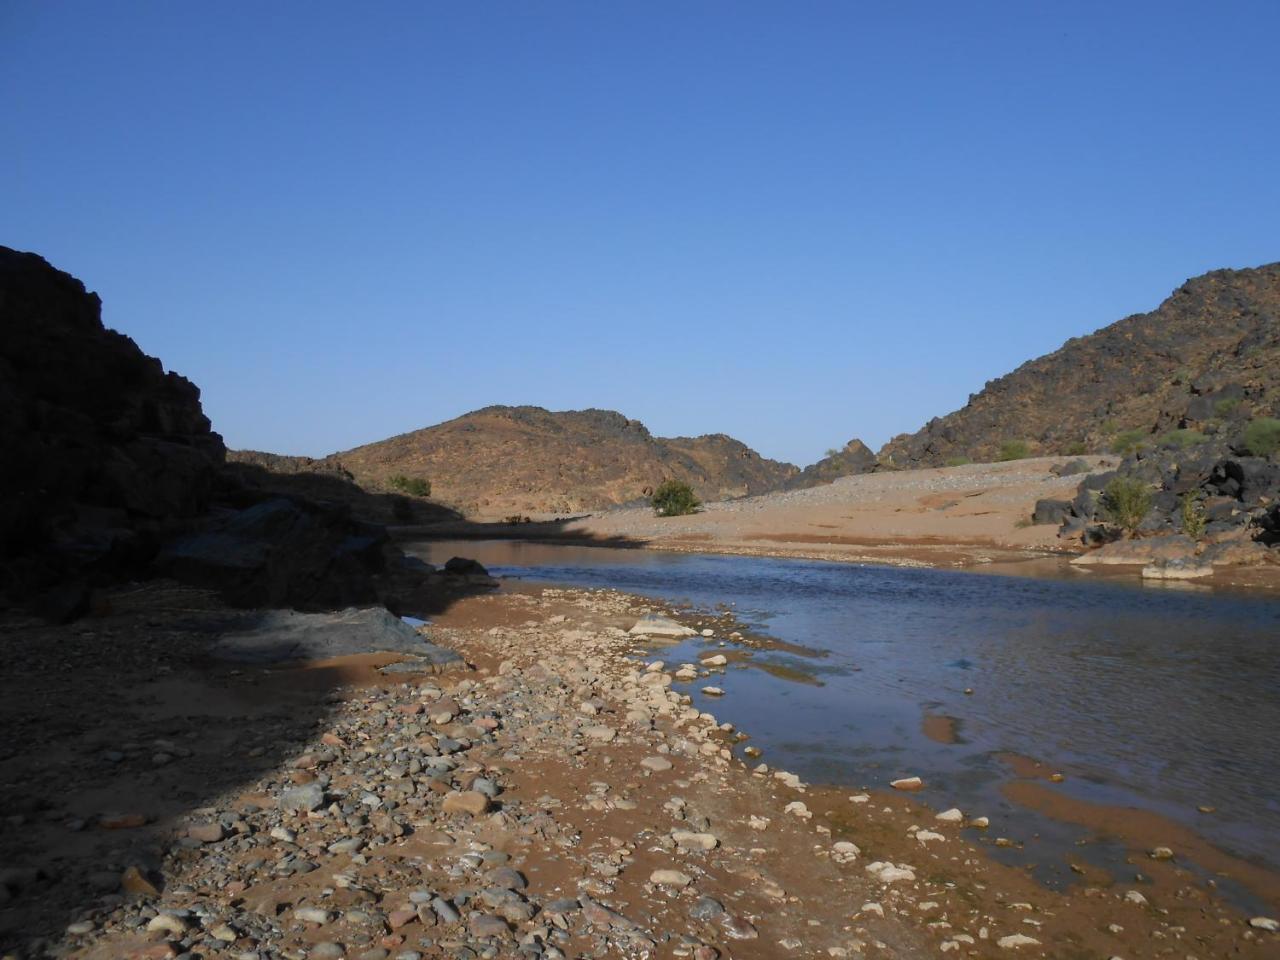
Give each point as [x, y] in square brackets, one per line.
[674, 498]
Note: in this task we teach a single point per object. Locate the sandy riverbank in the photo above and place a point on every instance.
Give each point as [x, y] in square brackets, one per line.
[555, 798]
[973, 517]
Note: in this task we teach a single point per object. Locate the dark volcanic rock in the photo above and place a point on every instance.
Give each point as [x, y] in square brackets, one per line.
[1235, 496]
[103, 450]
[855, 458]
[1208, 358]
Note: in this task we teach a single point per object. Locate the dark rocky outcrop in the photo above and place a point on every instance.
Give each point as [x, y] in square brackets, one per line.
[104, 451]
[1208, 358]
[1235, 496]
[854, 458]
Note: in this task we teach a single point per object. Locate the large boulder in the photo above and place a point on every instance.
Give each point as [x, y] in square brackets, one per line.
[272, 636]
[103, 450]
[1171, 547]
[282, 553]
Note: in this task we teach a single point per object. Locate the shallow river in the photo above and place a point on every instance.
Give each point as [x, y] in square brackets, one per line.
[1158, 698]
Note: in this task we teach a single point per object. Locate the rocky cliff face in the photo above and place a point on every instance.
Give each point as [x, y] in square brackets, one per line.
[502, 461]
[1208, 358]
[103, 450]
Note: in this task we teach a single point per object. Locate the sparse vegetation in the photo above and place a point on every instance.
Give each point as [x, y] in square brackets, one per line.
[674, 498]
[1126, 503]
[1192, 514]
[956, 461]
[1182, 438]
[414, 486]
[1128, 441]
[832, 453]
[1014, 450]
[1075, 448]
[1227, 406]
[1183, 375]
[1262, 436]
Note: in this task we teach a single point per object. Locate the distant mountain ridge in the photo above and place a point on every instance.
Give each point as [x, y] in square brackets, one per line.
[1206, 359]
[501, 461]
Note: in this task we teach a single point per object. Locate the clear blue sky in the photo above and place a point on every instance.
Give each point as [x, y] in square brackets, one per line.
[792, 222]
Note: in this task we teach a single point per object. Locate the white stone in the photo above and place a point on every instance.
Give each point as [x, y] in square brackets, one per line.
[889, 873]
[844, 852]
[907, 783]
[670, 878]
[1265, 923]
[688, 840]
[954, 815]
[652, 625]
[798, 808]
[1015, 940]
[719, 660]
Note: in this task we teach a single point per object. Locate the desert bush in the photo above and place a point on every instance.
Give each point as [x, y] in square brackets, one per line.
[956, 461]
[1182, 438]
[1014, 450]
[1126, 503]
[1224, 408]
[674, 498]
[415, 486]
[1075, 449]
[1191, 513]
[1262, 436]
[1128, 441]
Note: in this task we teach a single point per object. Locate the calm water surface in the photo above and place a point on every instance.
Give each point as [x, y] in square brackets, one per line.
[1143, 696]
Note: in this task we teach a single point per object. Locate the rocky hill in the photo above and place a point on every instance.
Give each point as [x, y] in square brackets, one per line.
[502, 461]
[1207, 359]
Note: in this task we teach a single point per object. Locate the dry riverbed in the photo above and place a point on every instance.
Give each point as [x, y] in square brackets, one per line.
[556, 797]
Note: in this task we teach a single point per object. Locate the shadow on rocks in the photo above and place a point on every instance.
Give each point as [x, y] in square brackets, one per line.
[162, 704]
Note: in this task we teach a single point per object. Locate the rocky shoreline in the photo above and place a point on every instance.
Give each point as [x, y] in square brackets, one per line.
[553, 796]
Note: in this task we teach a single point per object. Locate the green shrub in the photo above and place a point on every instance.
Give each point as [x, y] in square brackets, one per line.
[956, 461]
[1191, 512]
[1126, 503]
[1262, 436]
[1182, 438]
[1014, 450]
[674, 498]
[415, 486]
[1075, 449]
[832, 453]
[1182, 375]
[1224, 408]
[1130, 441]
